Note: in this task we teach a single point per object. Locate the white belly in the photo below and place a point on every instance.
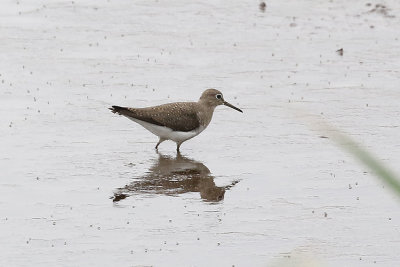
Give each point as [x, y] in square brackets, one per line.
[167, 133]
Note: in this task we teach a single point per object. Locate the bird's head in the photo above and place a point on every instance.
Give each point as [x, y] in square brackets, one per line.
[214, 98]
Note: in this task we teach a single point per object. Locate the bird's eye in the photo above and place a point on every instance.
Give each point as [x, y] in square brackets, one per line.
[219, 96]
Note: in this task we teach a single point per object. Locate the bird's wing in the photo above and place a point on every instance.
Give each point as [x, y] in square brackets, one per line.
[176, 116]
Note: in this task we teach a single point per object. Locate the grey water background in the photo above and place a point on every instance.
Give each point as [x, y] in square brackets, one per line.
[82, 186]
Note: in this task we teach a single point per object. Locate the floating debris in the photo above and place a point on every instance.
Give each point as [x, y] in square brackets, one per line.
[262, 6]
[382, 10]
[340, 52]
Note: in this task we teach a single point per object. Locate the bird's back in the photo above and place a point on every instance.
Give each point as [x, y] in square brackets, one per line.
[179, 116]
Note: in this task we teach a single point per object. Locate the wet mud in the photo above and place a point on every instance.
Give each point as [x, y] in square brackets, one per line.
[80, 186]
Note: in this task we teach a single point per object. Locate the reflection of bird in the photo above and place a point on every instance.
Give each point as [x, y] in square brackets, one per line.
[172, 176]
[177, 121]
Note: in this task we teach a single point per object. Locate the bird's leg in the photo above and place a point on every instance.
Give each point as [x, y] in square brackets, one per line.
[159, 142]
[178, 145]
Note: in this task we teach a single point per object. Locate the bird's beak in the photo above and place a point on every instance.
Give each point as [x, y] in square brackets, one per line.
[232, 106]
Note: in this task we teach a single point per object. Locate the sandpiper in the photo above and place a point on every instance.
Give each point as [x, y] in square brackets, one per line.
[178, 121]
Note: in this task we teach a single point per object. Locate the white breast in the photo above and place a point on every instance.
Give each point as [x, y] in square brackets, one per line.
[167, 133]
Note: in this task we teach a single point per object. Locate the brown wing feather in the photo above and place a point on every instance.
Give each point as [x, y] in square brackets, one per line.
[177, 116]
[131, 112]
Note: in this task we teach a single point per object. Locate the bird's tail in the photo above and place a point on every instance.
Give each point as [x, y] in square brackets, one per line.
[120, 110]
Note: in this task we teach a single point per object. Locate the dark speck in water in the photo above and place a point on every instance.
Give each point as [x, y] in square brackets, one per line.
[262, 6]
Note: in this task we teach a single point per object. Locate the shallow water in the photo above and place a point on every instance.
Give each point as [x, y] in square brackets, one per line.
[82, 186]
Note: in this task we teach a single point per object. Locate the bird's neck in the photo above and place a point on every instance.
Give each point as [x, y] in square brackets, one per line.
[205, 112]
